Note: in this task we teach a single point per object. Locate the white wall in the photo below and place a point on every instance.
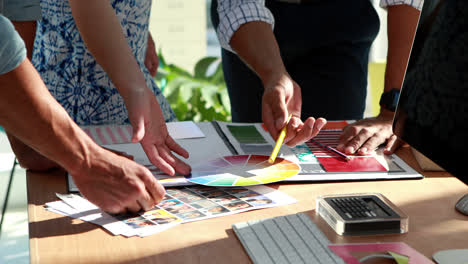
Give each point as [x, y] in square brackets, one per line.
[379, 48]
[179, 29]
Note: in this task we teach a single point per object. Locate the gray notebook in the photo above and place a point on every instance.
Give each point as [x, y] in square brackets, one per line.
[285, 239]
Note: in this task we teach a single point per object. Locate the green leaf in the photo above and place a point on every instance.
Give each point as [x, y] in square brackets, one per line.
[187, 89]
[209, 94]
[174, 84]
[225, 101]
[176, 69]
[162, 60]
[202, 66]
[218, 76]
[195, 97]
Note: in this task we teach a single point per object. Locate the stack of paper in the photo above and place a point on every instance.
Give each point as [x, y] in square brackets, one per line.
[178, 206]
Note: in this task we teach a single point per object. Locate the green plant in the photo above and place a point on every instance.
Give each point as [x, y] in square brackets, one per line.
[198, 97]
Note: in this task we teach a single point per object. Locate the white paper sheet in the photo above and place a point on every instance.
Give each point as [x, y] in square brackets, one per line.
[178, 206]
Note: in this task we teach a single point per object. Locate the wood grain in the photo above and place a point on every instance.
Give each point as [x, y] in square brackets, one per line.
[433, 223]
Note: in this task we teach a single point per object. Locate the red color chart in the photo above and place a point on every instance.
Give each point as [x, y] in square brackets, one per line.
[332, 162]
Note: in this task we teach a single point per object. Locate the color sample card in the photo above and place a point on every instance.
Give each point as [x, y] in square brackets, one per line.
[335, 124]
[140, 224]
[336, 164]
[247, 134]
[332, 162]
[179, 205]
[242, 170]
[153, 221]
[259, 149]
[199, 202]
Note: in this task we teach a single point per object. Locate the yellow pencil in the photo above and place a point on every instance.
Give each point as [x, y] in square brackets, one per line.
[279, 142]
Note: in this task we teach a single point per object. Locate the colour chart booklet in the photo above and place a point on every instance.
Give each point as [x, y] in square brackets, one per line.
[180, 205]
[318, 163]
[213, 140]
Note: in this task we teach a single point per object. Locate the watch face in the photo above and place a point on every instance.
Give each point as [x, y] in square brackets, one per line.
[389, 100]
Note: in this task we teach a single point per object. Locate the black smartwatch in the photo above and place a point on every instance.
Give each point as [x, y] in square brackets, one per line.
[389, 100]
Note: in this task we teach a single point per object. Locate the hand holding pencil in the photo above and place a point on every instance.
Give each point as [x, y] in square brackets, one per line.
[308, 127]
[279, 142]
[281, 98]
[298, 132]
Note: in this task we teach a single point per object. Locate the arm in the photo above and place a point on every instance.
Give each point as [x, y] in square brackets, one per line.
[253, 40]
[256, 45]
[151, 57]
[102, 33]
[26, 27]
[366, 135]
[25, 102]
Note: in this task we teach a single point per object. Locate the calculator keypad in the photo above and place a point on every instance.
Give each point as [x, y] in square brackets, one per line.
[353, 208]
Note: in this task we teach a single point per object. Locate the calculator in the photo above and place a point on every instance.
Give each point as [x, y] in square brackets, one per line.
[361, 214]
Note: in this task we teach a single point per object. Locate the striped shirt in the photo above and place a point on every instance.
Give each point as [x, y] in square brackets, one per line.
[235, 13]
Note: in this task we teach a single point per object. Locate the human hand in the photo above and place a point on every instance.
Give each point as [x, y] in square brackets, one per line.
[117, 184]
[149, 128]
[281, 98]
[364, 136]
[151, 57]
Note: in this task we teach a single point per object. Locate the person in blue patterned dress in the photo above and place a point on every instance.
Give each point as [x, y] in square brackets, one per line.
[112, 182]
[91, 56]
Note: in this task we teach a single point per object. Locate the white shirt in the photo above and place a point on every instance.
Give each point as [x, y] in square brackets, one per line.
[235, 13]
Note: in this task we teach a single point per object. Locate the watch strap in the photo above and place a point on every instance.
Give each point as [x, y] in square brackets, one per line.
[389, 99]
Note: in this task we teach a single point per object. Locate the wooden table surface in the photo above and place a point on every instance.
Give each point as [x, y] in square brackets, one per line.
[433, 223]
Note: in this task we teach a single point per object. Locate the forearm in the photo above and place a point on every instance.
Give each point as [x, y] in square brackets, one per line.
[30, 113]
[402, 25]
[256, 45]
[102, 33]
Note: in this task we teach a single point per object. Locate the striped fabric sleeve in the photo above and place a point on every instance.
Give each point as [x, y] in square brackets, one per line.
[418, 4]
[235, 13]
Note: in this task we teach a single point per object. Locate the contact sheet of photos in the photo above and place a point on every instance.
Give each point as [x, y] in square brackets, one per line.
[179, 205]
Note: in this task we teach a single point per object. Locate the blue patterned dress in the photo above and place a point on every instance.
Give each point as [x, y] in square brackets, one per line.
[72, 74]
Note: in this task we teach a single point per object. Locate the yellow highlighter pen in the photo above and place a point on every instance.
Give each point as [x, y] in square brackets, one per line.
[279, 142]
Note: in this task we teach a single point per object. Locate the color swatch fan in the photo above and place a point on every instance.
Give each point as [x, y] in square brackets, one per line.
[242, 170]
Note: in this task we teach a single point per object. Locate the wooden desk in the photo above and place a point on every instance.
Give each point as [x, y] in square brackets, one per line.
[434, 223]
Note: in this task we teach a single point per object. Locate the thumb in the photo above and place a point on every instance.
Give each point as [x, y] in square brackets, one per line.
[138, 130]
